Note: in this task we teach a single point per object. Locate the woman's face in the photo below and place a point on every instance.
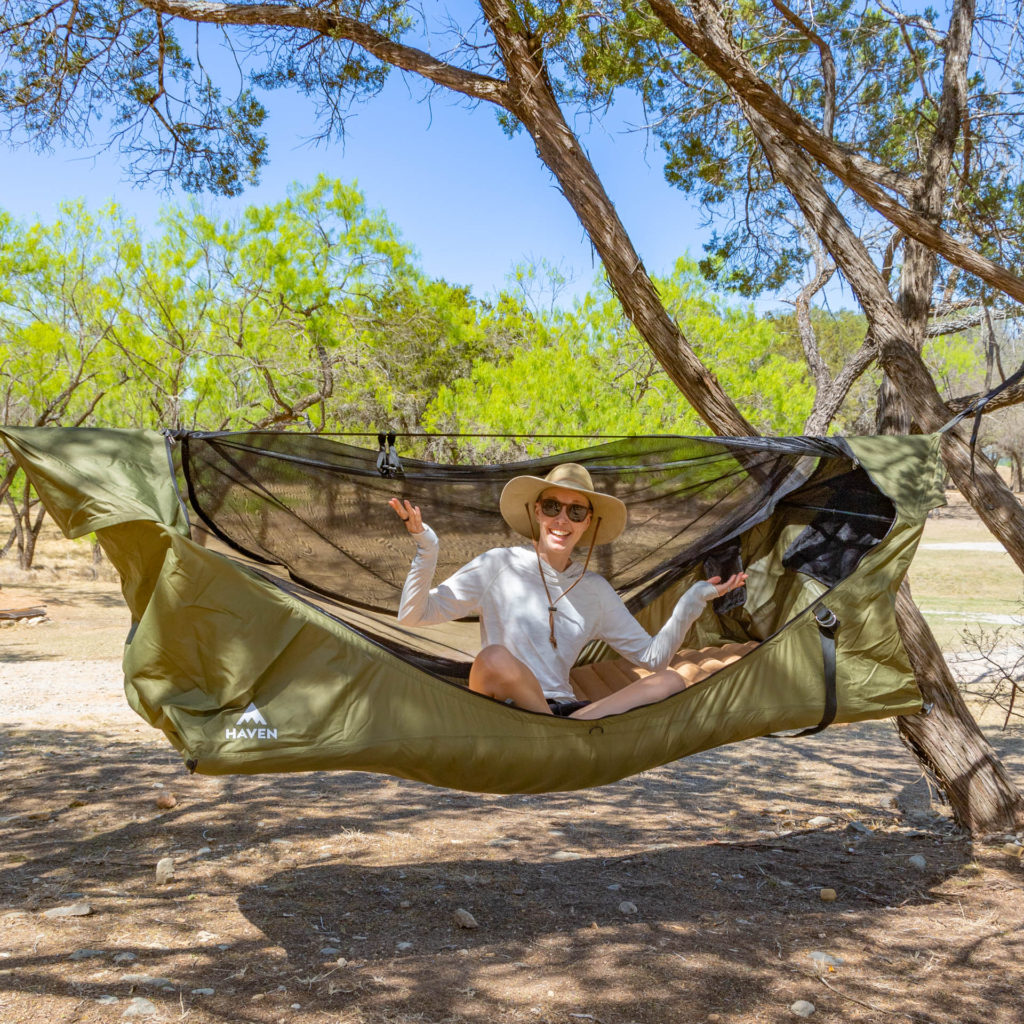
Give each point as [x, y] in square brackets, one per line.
[558, 534]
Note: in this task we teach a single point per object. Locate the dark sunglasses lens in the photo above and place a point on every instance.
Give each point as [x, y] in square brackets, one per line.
[552, 506]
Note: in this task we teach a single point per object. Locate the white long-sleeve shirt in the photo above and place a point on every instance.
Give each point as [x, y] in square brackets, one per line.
[503, 587]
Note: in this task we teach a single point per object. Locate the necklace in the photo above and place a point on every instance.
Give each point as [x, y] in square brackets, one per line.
[540, 565]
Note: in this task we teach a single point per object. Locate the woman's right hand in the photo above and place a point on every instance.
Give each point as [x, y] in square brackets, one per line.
[734, 582]
[408, 513]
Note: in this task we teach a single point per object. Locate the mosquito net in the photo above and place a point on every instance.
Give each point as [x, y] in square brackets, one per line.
[315, 508]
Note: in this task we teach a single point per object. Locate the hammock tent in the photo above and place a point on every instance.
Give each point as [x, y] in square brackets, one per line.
[263, 573]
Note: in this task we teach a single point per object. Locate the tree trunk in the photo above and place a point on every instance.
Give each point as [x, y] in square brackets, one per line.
[25, 530]
[33, 531]
[953, 737]
[8, 478]
[19, 533]
[947, 740]
[534, 103]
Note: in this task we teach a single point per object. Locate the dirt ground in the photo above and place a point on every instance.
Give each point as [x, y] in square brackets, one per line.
[691, 893]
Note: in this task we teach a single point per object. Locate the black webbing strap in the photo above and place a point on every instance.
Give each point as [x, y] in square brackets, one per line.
[977, 407]
[828, 625]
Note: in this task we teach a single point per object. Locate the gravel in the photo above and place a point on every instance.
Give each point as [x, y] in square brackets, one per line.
[54, 693]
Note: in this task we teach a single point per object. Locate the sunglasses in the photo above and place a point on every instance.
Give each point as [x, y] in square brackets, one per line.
[550, 507]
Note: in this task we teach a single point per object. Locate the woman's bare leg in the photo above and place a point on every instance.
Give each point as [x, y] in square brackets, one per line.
[498, 673]
[687, 668]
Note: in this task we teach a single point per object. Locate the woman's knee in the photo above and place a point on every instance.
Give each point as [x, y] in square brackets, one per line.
[498, 673]
[496, 660]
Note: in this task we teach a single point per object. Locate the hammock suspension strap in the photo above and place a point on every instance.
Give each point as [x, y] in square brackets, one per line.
[828, 626]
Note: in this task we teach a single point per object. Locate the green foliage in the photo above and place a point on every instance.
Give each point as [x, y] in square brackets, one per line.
[59, 304]
[586, 371]
[312, 311]
[957, 363]
[888, 71]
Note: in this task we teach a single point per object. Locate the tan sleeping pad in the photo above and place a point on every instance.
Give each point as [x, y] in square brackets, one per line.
[600, 678]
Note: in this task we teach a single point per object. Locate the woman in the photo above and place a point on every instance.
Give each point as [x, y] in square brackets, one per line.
[538, 608]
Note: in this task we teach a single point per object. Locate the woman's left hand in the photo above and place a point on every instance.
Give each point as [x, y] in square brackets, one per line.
[408, 513]
[732, 583]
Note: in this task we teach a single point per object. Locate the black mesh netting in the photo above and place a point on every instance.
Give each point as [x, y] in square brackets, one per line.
[317, 508]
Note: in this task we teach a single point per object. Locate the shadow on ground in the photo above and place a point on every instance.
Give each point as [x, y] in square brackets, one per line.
[690, 890]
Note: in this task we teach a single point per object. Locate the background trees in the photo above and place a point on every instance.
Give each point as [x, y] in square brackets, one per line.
[58, 307]
[584, 369]
[313, 311]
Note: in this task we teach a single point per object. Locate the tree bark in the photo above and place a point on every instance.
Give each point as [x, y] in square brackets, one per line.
[19, 533]
[32, 535]
[946, 739]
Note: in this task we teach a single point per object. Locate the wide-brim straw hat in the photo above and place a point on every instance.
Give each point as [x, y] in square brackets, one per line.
[521, 492]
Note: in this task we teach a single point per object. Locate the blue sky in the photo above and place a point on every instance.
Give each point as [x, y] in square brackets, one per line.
[472, 201]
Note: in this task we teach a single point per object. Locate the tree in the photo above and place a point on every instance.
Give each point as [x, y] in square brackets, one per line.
[585, 370]
[925, 142]
[57, 364]
[246, 323]
[527, 59]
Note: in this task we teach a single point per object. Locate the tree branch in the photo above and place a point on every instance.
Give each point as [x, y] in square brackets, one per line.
[1013, 395]
[808, 338]
[828, 65]
[337, 26]
[967, 322]
[711, 44]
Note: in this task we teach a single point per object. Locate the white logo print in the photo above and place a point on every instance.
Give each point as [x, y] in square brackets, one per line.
[252, 714]
[258, 728]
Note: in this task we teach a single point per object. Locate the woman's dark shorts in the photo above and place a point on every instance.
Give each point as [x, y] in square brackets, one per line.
[564, 708]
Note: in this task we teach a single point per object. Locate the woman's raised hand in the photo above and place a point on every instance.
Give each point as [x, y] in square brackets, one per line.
[732, 583]
[408, 513]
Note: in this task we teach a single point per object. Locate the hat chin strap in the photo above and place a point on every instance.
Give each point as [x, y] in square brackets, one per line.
[540, 565]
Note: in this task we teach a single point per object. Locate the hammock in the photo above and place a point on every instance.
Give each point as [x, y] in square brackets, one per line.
[263, 572]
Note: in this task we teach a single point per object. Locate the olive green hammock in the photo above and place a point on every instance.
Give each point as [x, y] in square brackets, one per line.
[263, 572]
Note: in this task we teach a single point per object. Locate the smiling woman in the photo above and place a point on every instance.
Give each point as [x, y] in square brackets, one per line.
[538, 609]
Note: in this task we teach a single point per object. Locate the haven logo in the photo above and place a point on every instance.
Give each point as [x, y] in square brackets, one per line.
[251, 726]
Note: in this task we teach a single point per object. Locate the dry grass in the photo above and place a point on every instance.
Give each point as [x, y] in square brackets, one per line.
[963, 588]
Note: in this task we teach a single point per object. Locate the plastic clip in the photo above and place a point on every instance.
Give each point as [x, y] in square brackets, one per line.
[825, 617]
[388, 463]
